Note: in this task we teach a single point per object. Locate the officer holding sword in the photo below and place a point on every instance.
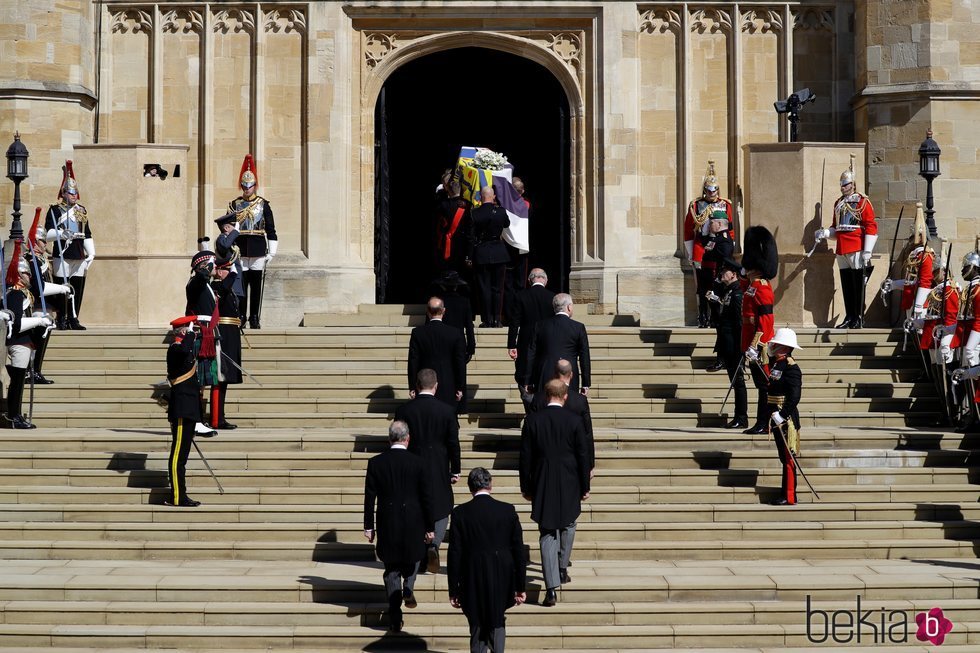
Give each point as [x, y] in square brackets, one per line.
[67, 226]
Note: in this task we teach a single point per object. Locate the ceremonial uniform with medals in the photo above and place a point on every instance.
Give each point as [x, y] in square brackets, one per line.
[857, 232]
[20, 339]
[489, 256]
[67, 224]
[727, 302]
[257, 240]
[938, 327]
[183, 407]
[760, 262]
[202, 305]
[697, 233]
[968, 335]
[230, 332]
[916, 270]
[41, 286]
[785, 387]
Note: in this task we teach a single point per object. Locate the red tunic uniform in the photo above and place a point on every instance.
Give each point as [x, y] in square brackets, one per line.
[944, 301]
[971, 309]
[918, 274]
[854, 218]
[757, 317]
[698, 214]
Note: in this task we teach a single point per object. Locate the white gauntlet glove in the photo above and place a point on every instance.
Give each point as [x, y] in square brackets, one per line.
[777, 419]
[866, 257]
[821, 234]
[712, 297]
[751, 354]
[965, 374]
[273, 249]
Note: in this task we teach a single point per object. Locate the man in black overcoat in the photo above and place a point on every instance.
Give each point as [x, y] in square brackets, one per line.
[397, 481]
[487, 566]
[726, 307]
[575, 402]
[489, 255]
[554, 475]
[559, 336]
[455, 296]
[437, 346]
[529, 307]
[435, 437]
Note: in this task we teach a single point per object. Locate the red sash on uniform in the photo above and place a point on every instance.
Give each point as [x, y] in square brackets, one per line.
[448, 244]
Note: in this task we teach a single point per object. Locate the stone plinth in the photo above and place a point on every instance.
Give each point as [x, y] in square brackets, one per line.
[142, 230]
[791, 189]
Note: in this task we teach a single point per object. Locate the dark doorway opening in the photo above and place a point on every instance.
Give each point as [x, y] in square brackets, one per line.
[426, 111]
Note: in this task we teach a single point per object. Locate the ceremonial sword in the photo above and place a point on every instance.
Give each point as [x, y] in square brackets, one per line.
[823, 177]
[738, 370]
[891, 257]
[241, 369]
[221, 490]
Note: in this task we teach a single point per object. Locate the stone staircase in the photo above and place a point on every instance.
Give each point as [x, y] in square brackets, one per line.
[676, 549]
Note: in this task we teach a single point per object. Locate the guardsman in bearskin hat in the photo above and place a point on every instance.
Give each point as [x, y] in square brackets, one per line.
[257, 240]
[760, 263]
[917, 269]
[202, 304]
[20, 339]
[699, 227]
[58, 294]
[67, 225]
[230, 330]
[183, 406]
[726, 301]
[857, 232]
[785, 386]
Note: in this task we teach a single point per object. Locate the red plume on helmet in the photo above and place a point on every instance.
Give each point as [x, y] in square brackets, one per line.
[13, 270]
[248, 175]
[68, 180]
[32, 235]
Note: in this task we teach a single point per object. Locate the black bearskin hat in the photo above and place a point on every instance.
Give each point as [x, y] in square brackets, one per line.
[759, 252]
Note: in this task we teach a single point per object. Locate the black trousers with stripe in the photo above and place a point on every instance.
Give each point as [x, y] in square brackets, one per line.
[182, 434]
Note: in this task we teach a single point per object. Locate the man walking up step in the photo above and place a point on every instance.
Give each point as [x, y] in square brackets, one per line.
[487, 566]
[554, 475]
[434, 431]
[396, 482]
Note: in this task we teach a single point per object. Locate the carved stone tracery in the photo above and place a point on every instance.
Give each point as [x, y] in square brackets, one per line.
[377, 46]
[184, 20]
[134, 21]
[661, 20]
[234, 20]
[763, 21]
[711, 20]
[814, 19]
[285, 20]
[567, 46]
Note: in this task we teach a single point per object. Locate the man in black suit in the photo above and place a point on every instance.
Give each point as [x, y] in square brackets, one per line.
[726, 305]
[554, 474]
[487, 567]
[438, 346]
[529, 307]
[435, 437]
[397, 481]
[576, 402]
[557, 337]
[489, 255]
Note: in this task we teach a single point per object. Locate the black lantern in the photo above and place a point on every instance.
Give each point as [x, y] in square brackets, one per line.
[929, 169]
[17, 160]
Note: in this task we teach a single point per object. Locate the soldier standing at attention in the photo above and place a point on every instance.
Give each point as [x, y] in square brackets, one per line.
[257, 240]
[697, 232]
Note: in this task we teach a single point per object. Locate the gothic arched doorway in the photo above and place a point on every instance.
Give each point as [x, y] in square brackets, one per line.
[431, 106]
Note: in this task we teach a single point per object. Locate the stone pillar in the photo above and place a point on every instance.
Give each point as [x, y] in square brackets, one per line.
[141, 228]
[791, 189]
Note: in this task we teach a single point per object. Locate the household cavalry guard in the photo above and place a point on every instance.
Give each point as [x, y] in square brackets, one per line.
[785, 386]
[699, 226]
[856, 231]
[203, 306]
[41, 286]
[68, 227]
[969, 338]
[938, 333]
[230, 331]
[19, 302]
[917, 269]
[760, 263]
[257, 241]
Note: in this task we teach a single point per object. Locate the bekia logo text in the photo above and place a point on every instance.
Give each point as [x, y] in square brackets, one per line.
[879, 626]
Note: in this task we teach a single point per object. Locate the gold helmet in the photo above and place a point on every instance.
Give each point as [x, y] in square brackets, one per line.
[847, 177]
[710, 182]
[920, 234]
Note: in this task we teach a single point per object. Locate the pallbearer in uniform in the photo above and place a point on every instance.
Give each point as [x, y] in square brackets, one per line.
[759, 264]
[697, 231]
[785, 386]
[257, 240]
[68, 227]
[230, 331]
[20, 342]
[857, 232]
[916, 270]
[183, 407]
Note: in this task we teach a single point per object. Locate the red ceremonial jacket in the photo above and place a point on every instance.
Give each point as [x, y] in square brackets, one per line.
[970, 301]
[944, 301]
[854, 217]
[918, 274]
[694, 231]
[757, 317]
